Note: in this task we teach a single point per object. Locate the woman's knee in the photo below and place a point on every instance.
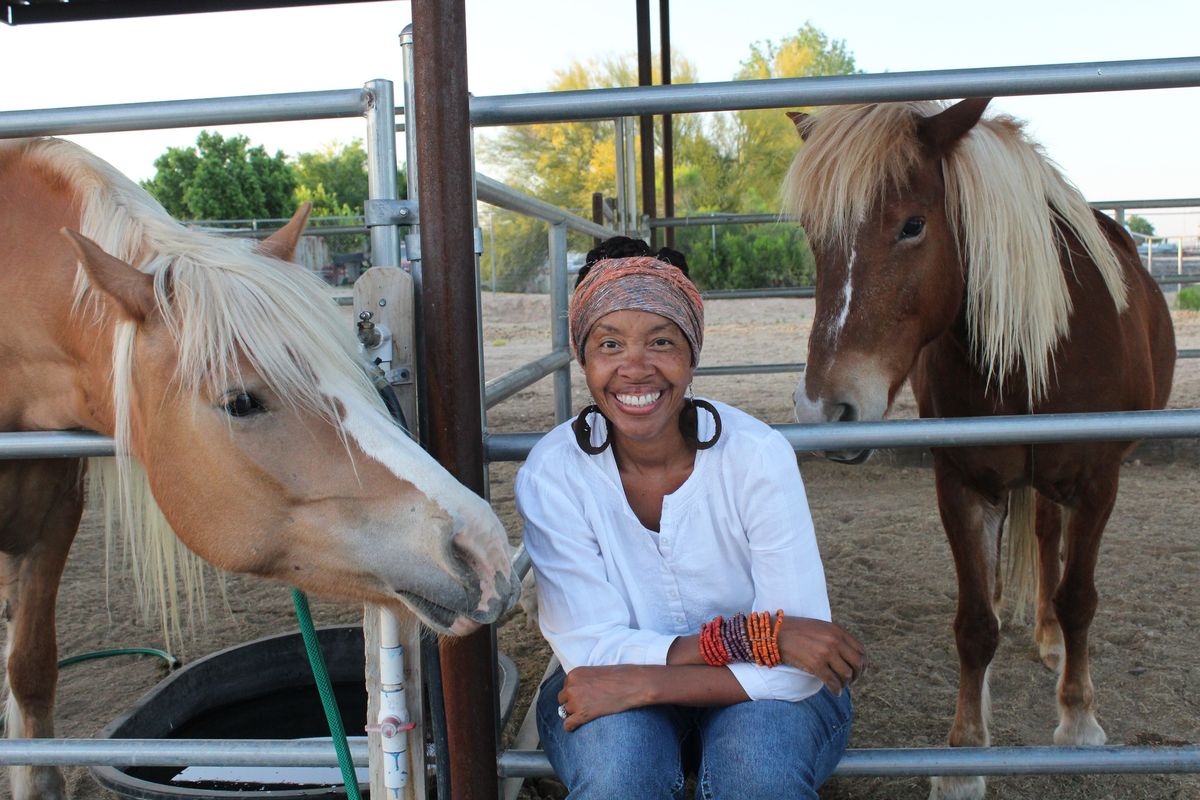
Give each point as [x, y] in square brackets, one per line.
[773, 748]
[632, 754]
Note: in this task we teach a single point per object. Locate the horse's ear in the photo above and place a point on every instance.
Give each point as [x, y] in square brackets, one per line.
[802, 122]
[943, 130]
[131, 289]
[282, 243]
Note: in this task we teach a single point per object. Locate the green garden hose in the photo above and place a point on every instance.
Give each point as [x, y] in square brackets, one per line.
[171, 660]
[325, 689]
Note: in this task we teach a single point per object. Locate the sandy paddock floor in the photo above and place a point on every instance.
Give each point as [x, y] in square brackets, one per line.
[889, 572]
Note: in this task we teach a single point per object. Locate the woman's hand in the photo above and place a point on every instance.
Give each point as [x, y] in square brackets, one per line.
[591, 692]
[822, 649]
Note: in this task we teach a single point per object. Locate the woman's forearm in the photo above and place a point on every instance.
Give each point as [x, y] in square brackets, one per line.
[693, 685]
[591, 692]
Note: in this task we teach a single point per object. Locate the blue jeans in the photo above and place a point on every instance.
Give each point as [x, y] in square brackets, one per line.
[766, 749]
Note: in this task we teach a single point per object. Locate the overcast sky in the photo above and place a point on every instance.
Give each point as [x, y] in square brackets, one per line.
[1122, 145]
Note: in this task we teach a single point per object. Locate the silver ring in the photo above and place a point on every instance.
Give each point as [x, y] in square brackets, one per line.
[562, 712]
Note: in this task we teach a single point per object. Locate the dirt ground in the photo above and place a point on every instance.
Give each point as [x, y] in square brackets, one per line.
[888, 566]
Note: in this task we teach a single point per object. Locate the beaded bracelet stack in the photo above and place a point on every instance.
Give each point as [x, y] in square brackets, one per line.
[742, 637]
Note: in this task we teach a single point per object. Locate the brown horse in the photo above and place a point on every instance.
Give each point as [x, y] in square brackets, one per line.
[950, 251]
[228, 376]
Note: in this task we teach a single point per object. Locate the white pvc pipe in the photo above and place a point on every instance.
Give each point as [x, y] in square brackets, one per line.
[394, 723]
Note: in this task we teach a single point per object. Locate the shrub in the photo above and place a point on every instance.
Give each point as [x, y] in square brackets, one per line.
[1189, 298]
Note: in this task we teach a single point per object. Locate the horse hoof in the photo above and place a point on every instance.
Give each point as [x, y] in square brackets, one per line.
[1082, 731]
[957, 787]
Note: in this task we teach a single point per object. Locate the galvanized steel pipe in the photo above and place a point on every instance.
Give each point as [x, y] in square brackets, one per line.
[381, 169]
[587, 104]
[960, 432]
[914, 761]
[498, 390]
[178, 752]
[333, 104]
[498, 194]
[956, 432]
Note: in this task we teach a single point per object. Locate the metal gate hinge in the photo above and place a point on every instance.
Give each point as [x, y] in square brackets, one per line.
[391, 212]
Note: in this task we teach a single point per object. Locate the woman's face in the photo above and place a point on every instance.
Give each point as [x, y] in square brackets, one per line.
[638, 368]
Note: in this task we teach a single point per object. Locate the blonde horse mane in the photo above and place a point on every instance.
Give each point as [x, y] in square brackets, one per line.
[223, 301]
[1004, 199]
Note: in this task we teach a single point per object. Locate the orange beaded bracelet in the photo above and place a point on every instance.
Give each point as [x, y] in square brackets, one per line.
[776, 658]
[745, 637]
[756, 637]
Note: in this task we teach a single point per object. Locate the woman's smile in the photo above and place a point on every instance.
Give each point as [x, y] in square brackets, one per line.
[638, 402]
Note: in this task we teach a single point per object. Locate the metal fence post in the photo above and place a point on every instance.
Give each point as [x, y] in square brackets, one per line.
[632, 218]
[559, 335]
[451, 392]
[385, 291]
[381, 169]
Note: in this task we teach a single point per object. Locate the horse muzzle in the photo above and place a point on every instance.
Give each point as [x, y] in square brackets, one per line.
[843, 407]
[848, 456]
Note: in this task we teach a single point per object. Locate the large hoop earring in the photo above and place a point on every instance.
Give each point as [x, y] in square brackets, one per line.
[689, 423]
[583, 431]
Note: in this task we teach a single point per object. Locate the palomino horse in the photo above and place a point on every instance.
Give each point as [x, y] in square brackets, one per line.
[951, 251]
[228, 375]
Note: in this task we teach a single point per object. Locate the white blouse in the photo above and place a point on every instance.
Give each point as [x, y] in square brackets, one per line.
[736, 536]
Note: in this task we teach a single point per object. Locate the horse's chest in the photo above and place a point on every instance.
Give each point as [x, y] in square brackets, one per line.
[990, 471]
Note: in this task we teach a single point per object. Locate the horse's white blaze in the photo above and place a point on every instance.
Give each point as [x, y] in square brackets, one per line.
[847, 292]
[477, 532]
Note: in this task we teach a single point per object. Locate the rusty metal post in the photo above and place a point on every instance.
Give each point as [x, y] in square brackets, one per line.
[598, 214]
[646, 121]
[451, 398]
[668, 135]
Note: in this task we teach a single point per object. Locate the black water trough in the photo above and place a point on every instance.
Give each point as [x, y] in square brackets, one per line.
[260, 690]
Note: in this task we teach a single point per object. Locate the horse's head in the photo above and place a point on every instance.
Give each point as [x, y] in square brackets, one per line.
[868, 186]
[237, 387]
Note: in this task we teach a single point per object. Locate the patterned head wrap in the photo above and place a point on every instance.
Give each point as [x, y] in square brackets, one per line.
[638, 283]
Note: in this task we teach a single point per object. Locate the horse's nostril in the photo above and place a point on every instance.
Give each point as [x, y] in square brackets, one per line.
[845, 412]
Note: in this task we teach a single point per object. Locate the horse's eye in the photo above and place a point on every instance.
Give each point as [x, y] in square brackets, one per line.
[913, 227]
[244, 405]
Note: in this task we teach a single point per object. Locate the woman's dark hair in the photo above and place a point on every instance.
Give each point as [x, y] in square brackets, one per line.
[625, 247]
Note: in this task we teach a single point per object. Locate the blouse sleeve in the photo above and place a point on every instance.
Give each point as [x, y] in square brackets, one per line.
[581, 615]
[785, 563]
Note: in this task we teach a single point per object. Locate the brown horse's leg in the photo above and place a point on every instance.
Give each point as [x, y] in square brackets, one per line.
[973, 526]
[1046, 631]
[1075, 601]
[40, 506]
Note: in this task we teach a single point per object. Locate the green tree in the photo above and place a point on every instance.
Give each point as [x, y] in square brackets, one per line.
[730, 163]
[334, 180]
[561, 163]
[759, 145]
[336, 175]
[1139, 225]
[222, 178]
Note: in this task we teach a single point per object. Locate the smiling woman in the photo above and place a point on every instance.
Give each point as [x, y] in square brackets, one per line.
[657, 523]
